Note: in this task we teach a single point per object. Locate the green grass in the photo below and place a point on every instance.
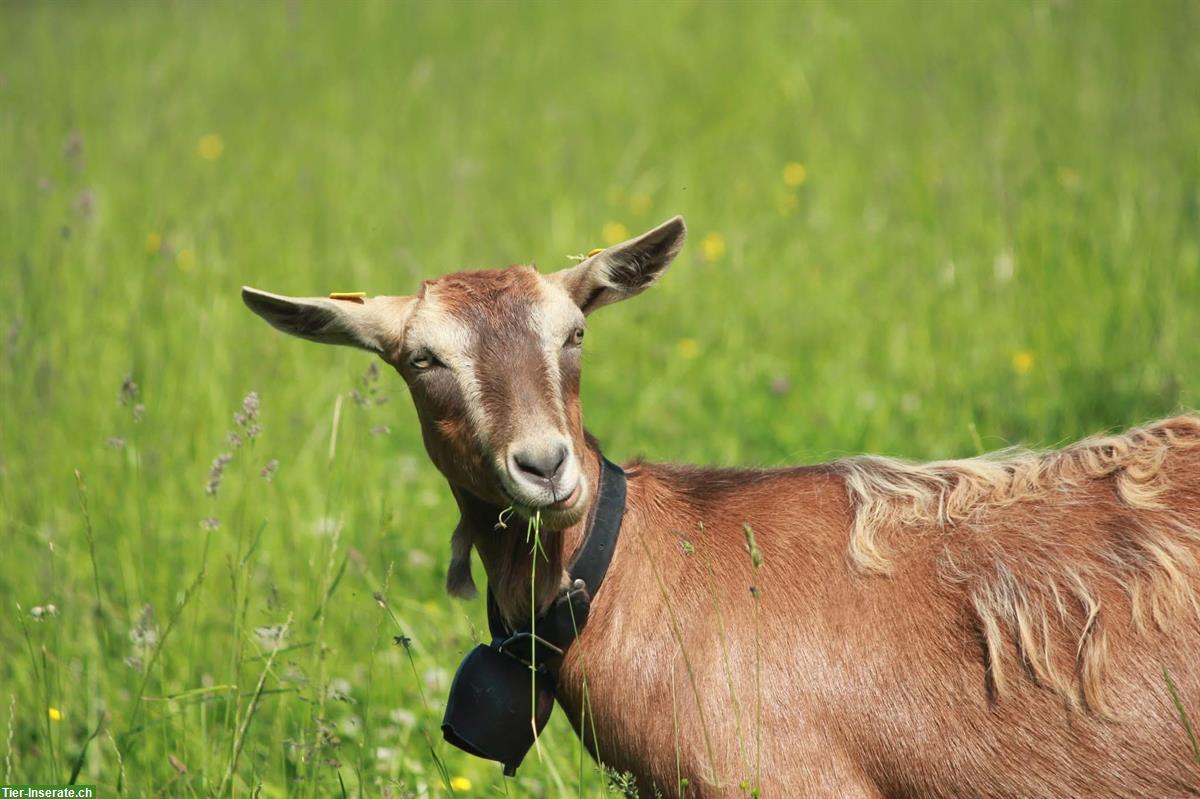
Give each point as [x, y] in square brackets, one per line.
[997, 241]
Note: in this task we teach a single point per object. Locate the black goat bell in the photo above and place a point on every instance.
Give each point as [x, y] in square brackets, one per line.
[497, 706]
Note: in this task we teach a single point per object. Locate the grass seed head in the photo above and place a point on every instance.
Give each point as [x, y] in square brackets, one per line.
[216, 473]
[756, 558]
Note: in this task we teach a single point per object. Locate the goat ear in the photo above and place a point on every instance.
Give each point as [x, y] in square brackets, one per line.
[369, 323]
[623, 270]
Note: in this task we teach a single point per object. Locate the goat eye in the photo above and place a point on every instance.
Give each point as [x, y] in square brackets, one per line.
[576, 337]
[423, 359]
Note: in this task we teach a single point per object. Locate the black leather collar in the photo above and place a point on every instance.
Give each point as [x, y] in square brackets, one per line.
[491, 704]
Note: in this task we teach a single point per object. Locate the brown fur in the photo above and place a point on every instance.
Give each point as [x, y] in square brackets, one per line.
[492, 295]
[886, 685]
[1042, 589]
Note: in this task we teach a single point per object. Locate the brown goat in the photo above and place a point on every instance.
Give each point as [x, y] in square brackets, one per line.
[992, 627]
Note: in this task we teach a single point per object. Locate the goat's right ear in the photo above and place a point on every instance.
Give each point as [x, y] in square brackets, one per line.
[369, 323]
[623, 270]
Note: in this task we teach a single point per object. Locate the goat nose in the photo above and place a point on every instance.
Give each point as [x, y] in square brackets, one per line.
[544, 465]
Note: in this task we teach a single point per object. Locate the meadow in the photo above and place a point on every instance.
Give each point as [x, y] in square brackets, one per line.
[926, 230]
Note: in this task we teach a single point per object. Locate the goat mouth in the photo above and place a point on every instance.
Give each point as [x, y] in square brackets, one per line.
[554, 511]
[570, 500]
[565, 504]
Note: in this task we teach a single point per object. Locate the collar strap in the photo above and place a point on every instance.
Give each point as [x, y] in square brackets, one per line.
[555, 629]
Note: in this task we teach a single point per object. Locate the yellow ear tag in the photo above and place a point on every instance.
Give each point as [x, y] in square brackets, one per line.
[596, 251]
[352, 296]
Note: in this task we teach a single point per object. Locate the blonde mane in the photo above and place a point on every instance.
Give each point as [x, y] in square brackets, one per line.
[1040, 588]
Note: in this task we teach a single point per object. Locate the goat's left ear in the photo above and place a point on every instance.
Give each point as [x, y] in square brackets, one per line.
[623, 270]
[369, 323]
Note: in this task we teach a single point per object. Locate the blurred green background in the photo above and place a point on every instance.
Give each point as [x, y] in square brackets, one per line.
[923, 229]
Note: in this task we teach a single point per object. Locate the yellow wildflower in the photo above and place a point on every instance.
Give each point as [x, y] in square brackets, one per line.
[614, 232]
[713, 246]
[639, 202]
[153, 243]
[55, 714]
[210, 146]
[460, 783]
[187, 260]
[1022, 361]
[795, 174]
[687, 348]
[1067, 178]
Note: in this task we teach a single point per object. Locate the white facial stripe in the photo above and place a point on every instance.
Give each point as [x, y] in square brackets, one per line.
[451, 340]
[554, 319]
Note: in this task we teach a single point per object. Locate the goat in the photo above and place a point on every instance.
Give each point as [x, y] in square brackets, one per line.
[991, 627]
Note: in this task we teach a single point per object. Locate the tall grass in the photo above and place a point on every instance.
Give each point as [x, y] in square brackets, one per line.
[919, 230]
[1184, 719]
